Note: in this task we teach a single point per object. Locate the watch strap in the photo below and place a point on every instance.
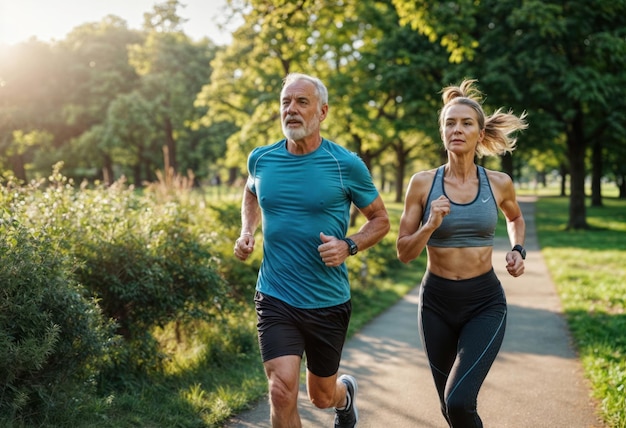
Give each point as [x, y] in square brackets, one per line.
[352, 247]
[520, 250]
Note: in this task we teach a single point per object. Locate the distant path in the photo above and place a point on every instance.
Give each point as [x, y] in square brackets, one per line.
[536, 382]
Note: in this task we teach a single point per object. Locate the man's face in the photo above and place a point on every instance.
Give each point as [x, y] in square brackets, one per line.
[300, 111]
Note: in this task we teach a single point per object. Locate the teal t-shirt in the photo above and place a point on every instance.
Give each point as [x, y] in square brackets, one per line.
[301, 196]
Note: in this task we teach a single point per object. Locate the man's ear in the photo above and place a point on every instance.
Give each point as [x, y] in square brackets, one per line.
[324, 112]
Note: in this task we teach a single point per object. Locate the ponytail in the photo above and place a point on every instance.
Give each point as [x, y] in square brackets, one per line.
[498, 126]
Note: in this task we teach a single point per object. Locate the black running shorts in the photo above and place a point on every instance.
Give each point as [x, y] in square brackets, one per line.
[317, 333]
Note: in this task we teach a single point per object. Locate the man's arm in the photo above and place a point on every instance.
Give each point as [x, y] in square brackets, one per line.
[250, 213]
[250, 219]
[376, 226]
[335, 251]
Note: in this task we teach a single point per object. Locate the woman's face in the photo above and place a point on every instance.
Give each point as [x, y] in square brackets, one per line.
[460, 129]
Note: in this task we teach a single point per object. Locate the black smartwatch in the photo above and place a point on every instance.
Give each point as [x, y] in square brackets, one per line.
[352, 247]
[520, 250]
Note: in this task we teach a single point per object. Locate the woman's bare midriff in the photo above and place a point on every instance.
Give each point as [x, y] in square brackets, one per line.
[459, 263]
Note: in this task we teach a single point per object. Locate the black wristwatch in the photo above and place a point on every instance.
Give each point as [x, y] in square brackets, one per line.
[352, 247]
[520, 250]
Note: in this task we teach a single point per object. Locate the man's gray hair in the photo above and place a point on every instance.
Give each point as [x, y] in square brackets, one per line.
[322, 92]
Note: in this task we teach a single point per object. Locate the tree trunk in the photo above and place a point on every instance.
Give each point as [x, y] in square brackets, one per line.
[576, 153]
[17, 165]
[233, 173]
[171, 144]
[596, 175]
[137, 174]
[621, 185]
[401, 156]
[107, 171]
[563, 174]
[507, 164]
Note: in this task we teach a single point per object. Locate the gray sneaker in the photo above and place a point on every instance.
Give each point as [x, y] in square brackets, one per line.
[348, 418]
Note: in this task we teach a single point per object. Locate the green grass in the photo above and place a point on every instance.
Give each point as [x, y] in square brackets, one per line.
[588, 269]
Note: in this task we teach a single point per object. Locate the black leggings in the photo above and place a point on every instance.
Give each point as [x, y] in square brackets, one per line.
[461, 325]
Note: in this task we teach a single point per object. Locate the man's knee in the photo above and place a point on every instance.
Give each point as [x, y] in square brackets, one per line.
[281, 396]
[323, 395]
[322, 401]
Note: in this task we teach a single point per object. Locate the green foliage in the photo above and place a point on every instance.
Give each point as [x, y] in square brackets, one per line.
[147, 263]
[449, 23]
[148, 267]
[53, 338]
[78, 90]
[126, 247]
[241, 277]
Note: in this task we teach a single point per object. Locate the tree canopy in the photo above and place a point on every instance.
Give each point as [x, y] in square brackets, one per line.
[108, 99]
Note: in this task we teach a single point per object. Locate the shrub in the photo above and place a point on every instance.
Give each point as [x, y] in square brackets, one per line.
[240, 276]
[147, 263]
[145, 260]
[53, 339]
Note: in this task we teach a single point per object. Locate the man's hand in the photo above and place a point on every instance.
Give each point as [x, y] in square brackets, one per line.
[244, 245]
[333, 251]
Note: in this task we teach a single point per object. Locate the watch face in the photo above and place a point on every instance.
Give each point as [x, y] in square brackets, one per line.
[353, 249]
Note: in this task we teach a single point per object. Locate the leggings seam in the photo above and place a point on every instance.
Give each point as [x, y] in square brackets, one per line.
[480, 357]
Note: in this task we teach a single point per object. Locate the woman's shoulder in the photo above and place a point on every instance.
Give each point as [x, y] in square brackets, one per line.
[502, 186]
[425, 176]
[498, 178]
[421, 182]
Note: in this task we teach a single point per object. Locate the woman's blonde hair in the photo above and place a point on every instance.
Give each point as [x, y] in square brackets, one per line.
[498, 126]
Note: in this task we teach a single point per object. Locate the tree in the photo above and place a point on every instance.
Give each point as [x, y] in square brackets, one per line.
[380, 77]
[558, 58]
[97, 73]
[31, 100]
[173, 70]
[129, 137]
[400, 72]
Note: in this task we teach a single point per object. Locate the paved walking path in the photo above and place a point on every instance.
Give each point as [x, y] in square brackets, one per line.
[536, 381]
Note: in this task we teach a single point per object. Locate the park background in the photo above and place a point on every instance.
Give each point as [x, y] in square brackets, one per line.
[122, 152]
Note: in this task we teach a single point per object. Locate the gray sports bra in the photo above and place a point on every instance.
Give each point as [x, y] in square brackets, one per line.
[467, 225]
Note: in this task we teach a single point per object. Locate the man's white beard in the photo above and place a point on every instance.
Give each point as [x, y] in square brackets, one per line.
[295, 134]
[299, 133]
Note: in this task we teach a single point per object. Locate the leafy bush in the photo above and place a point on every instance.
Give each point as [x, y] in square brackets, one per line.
[146, 261]
[241, 277]
[53, 339]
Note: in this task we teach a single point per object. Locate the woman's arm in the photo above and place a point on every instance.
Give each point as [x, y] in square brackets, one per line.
[412, 238]
[515, 224]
